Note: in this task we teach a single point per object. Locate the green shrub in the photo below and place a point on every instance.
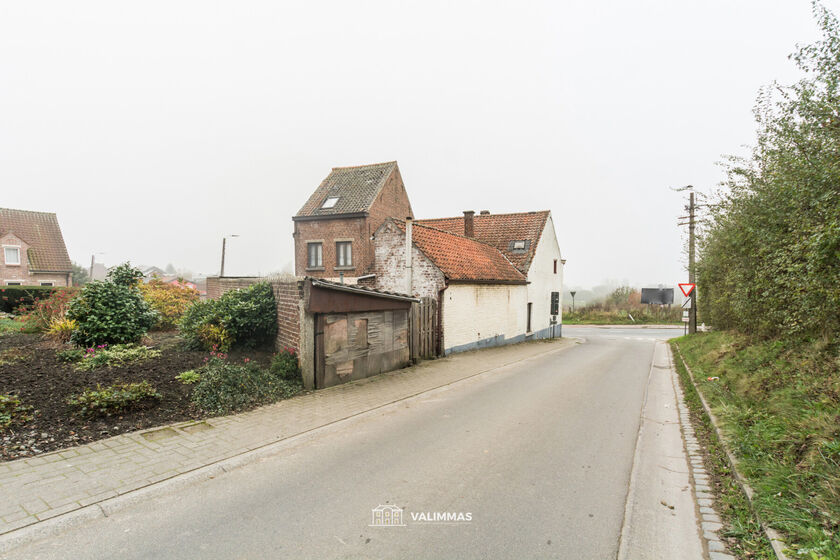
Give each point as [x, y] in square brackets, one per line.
[285, 365]
[12, 411]
[226, 387]
[104, 401]
[248, 317]
[70, 356]
[214, 337]
[125, 275]
[110, 312]
[114, 356]
[189, 377]
[12, 297]
[39, 315]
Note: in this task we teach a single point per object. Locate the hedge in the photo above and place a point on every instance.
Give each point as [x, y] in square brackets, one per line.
[12, 297]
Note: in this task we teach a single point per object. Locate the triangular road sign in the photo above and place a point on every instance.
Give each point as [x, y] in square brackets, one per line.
[686, 289]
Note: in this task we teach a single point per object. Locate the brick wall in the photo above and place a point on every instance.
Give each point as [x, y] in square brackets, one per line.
[288, 295]
[389, 246]
[216, 286]
[392, 201]
[20, 273]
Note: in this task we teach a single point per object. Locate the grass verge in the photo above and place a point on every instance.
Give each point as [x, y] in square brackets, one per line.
[779, 408]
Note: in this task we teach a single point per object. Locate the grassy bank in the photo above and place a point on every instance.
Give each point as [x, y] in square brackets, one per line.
[779, 405]
[621, 317]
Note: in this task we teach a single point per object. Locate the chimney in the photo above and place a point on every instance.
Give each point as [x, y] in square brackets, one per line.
[409, 242]
[485, 212]
[469, 230]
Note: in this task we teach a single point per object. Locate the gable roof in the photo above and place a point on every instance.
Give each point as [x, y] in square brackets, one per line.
[499, 231]
[461, 258]
[355, 188]
[40, 230]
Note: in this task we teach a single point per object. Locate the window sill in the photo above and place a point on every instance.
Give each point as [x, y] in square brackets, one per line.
[344, 268]
[315, 268]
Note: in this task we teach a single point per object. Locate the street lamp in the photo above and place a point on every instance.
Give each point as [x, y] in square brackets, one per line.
[224, 240]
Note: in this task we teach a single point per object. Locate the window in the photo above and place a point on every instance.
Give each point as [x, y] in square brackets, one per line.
[555, 266]
[13, 283]
[12, 255]
[316, 255]
[46, 283]
[344, 253]
[330, 202]
[530, 306]
[519, 245]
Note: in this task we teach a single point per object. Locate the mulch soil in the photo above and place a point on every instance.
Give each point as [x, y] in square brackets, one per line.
[45, 383]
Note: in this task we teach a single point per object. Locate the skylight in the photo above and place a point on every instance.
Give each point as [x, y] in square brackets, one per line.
[520, 245]
[330, 202]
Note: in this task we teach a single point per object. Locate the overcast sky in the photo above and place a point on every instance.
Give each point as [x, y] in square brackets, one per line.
[154, 128]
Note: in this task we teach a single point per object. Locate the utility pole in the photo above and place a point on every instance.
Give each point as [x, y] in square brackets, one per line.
[692, 313]
[224, 240]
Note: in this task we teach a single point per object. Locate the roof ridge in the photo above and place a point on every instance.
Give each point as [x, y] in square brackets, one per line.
[365, 165]
[468, 239]
[487, 215]
[29, 211]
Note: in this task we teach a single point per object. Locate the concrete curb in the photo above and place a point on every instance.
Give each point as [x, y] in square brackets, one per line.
[107, 507]
[772, 535]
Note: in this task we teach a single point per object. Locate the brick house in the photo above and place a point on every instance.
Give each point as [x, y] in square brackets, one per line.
[334, 228]
[33, 251]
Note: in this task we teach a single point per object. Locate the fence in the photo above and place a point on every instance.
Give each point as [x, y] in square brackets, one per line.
[425, 333]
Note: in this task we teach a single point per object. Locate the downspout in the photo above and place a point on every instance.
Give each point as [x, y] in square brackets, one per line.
[409, 243]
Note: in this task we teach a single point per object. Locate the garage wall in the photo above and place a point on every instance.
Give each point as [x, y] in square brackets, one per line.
[352, 346]
[483, 315]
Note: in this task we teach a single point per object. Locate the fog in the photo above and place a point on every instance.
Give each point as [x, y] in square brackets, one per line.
[153, 129]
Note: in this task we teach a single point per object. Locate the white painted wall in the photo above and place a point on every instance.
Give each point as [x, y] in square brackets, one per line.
[476, 314]
[542, 279]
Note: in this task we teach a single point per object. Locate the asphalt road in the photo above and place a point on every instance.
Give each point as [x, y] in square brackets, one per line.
[539, 454]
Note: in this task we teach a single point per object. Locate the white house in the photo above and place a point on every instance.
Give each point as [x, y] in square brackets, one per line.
[492, 276]
[529, 241]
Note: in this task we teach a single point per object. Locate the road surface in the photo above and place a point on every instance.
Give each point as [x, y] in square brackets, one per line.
[529, 461]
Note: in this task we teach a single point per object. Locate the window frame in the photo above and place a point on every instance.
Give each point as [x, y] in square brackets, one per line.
[530, 313]
[48, 283]
[19, 255]
[14, 283]
[320, 254]
[329, 198]
[340, 253]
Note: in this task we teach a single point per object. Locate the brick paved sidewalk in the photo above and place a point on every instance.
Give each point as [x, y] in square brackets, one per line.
[49, 485]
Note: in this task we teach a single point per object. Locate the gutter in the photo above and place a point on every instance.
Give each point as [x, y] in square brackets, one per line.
[329, 217]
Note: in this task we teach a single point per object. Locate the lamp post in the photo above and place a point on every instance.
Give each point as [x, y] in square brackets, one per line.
[224, 241]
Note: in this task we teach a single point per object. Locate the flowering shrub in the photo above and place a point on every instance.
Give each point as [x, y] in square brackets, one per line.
[169, 300]
[104, 401]
[285, 365]
[114, 356]
[12, 297]
[38, 315]
[111, 312]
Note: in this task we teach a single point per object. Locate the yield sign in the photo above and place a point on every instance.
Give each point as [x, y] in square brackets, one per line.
[686, 288]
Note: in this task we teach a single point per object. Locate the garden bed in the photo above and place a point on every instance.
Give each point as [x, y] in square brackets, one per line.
[35, 374]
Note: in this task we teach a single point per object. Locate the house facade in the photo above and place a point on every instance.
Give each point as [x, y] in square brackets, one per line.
[32, 250]
[529, 241]
[333, 229]
[480, 295]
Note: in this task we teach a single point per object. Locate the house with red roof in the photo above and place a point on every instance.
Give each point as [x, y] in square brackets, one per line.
[32, 250]
[487, 288]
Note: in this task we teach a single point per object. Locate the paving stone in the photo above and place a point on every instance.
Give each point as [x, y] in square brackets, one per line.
[711, 517]
[704, 502]
[702, 488]
[716, 546]
[720, 556]
[707, 510]
[710, 526]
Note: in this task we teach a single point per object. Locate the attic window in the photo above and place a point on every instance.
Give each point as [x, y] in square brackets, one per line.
[330, 202]
[519, 246]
